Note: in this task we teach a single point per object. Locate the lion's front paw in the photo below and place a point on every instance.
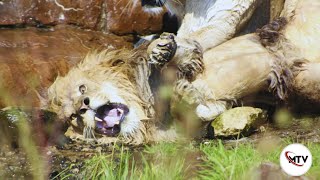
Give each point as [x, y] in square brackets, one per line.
[211, 110]
[163, 49]
[184, 90]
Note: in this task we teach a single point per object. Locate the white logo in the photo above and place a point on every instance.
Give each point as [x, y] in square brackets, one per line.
[295, 159]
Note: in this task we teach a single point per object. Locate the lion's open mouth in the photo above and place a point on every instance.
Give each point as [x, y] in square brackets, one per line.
[109, 117]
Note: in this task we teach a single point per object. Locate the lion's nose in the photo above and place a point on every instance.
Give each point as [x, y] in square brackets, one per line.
[86, 101]
[84, 105]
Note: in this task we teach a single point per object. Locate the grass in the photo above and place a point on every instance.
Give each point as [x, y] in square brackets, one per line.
[162, 161]
[315, 151]
[233, 163]
[109, 167]
[172, 161]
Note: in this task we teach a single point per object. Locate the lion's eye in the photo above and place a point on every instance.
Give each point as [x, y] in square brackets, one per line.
[73, 116]
[82, 88]
[118, 62]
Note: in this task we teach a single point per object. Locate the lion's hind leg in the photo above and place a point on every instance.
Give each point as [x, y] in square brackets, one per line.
[307, 80]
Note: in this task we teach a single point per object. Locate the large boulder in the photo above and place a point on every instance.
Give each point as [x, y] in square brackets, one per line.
[82, 12]
[239, 120]
[115, 16]
[31, 58]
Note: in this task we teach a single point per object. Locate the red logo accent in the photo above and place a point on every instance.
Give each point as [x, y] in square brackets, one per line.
[288, 158]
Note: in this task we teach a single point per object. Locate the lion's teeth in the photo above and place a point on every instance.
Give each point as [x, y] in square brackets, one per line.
[98, 119]
[120, 111]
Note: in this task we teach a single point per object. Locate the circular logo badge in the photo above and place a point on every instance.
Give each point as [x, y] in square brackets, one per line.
[295, 159]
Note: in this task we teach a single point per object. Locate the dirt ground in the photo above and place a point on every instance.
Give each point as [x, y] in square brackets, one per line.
[14, 162]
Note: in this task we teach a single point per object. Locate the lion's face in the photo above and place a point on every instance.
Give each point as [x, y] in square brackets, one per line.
[100, 96]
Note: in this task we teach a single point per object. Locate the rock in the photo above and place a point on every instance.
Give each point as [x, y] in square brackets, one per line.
[238, 120]
[122, 18]
[271, 171]
[116, 16]
[31, 58]
[82, 12]
[44, 129]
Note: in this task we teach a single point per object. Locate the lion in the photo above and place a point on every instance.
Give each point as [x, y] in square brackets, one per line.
[98, 104]
[109, 96]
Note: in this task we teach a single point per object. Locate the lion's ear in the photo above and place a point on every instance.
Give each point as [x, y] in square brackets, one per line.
[118, 62]
[82, 88]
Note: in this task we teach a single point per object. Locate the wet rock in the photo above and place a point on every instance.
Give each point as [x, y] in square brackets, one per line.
[238, 120]
[122, 18]
[31, 58]
[107, 15]
[45, 128]
[35, 12]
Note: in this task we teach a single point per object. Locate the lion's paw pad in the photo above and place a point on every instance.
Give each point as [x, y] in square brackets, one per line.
[164, 51]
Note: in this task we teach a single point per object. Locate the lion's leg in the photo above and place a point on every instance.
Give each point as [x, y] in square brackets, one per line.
[185, 54]
[215, 24]
[198, 94]
[222, 20]
[307, 80]
[245, 70]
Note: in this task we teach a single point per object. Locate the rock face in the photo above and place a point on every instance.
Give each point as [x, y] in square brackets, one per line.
[238, 120]
[117, 16]
[82, 12]
[31, 58]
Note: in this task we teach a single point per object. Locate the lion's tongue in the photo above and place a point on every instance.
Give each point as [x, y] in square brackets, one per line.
[113, 117]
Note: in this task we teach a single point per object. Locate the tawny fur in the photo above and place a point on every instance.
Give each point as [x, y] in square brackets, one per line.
[246, 64]
[293, 59]
[297, 46]
[303, 33]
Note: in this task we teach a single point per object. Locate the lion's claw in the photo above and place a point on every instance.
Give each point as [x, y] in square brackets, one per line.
[269, 34]
[190, 70]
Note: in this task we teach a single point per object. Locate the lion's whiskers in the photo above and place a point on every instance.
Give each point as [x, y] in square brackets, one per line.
[129, 7]
[88, 133]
